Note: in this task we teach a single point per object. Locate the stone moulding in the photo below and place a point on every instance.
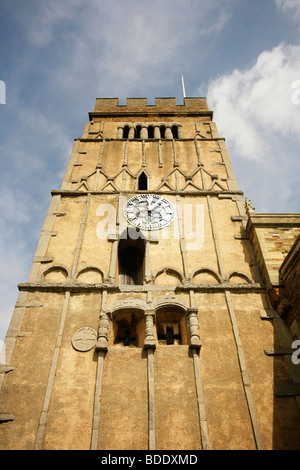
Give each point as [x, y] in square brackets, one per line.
[80, 287]
[202, 192]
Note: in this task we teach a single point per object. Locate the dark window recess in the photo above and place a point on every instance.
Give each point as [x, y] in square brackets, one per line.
[175, 132]
[125, 132]
[169, 334]
[143, 182]
[137, 132]
[131, 261]
[150, 132]
[126, 333]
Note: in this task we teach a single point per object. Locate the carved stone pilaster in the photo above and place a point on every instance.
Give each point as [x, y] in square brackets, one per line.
[149, 330]
[193, 325]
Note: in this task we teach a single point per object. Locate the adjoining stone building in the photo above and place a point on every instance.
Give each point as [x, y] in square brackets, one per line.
[276, 238]
[151, 317]
[289, 304]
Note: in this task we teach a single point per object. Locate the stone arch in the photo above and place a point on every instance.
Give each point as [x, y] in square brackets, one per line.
[171, 275]
[56, 274]
[171, 324]
[239, 276]
[150, 130]
[127, 323]
[169, 300]
[188, 316]
[90, 275]
[135, 304]
[208, 275]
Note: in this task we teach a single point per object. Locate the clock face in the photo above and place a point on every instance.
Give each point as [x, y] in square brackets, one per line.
[149, 211]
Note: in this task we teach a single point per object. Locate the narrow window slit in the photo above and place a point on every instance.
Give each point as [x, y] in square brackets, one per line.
[150, 132]
[137, 133]
[175, 132]
[125, 132]
[143, 182]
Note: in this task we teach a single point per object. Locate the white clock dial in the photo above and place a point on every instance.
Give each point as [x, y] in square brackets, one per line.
[149, 211]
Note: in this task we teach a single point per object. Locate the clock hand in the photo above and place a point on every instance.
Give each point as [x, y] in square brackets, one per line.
[154, 205]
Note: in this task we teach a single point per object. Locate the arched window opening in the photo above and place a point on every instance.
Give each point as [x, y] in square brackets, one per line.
[125, 132]
[143, 182]
[150, 132]
[162, 131]
[137, 133]
[175, 132]
[131, 254]
[128, 329]
[126, 333]
[171, 327]
[168, 333]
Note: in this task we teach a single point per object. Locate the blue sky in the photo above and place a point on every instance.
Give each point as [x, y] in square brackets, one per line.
[57, 56]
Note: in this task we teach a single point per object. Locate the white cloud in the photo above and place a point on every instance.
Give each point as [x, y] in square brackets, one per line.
[289, 6]
[255, 104]
[254, 111]
[129, 45]
[34, 153]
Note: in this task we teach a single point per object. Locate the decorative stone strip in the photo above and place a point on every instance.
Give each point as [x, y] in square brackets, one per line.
[268, 314]
[4, 369]
[287, 390]
[6, 417]
[279, 351]
[48, 392]
[201, 404]
[244, 373]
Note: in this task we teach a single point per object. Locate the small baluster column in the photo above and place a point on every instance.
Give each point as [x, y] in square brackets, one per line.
[180, 132]
[193, 324]
[131, 133]
[120, 132]
[103, 332]
[157, 132]
[168, 133]
[144, 132]
[149, 330]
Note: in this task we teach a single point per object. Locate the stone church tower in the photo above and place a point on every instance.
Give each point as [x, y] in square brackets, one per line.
[145, 320]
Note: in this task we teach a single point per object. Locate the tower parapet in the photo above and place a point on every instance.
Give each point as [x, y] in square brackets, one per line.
[162, 105]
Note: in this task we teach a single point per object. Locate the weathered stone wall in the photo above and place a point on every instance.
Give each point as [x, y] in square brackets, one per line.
[68, 384]
[272, 236]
